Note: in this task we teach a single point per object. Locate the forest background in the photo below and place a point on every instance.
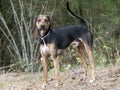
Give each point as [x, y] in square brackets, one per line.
[19, 53]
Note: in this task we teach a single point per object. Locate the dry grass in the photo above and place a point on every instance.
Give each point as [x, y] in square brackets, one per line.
[107, 79]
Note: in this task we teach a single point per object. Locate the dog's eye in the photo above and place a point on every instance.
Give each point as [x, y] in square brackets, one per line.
[46, 20]
[39, 20]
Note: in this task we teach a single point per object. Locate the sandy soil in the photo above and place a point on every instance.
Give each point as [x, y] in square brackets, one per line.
[107, 78]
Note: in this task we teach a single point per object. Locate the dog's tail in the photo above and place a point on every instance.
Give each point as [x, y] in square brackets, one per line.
[73, 14]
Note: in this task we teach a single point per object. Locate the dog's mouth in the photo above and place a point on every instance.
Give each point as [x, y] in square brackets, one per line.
[42, 28]
[42, 32]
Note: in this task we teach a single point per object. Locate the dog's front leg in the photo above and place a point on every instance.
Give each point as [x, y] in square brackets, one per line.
[45, 70]
[57, 72]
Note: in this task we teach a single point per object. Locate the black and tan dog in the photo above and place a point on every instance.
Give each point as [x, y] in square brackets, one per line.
[52, 42]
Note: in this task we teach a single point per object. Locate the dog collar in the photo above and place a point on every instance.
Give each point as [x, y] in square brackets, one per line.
[42, 38]
[45, 35]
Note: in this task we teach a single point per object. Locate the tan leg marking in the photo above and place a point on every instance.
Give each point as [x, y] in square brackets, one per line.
[90, 55]
[57, 72]
[45, 71]
[82, 57]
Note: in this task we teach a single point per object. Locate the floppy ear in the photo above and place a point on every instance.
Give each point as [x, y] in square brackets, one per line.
[34, 30]
[34, 23]
[51, 23]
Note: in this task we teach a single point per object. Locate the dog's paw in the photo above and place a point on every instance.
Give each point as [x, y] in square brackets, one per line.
[56, 85]
[44, 86]
[92, 81]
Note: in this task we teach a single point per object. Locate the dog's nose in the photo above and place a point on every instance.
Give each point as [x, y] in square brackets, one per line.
[42, 26]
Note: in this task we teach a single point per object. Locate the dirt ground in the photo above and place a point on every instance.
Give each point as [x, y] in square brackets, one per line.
[107, 78]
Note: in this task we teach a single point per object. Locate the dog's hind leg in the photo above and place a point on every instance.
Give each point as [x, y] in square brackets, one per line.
[90, 55]
[81, 51]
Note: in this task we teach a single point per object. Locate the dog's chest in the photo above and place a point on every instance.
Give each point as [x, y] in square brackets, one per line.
[50, 49]
[45, 49]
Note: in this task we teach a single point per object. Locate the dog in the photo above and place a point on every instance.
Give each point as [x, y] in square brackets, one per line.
[53, 42]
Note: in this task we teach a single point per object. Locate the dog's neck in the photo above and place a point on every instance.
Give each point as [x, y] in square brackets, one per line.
[43, 37]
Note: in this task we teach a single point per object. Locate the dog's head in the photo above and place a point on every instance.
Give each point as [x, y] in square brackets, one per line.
[42, 24]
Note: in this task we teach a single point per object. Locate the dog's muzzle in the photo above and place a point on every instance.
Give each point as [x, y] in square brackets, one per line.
[42, 27]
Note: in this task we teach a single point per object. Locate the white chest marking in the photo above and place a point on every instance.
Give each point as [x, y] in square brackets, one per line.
[45, 49]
